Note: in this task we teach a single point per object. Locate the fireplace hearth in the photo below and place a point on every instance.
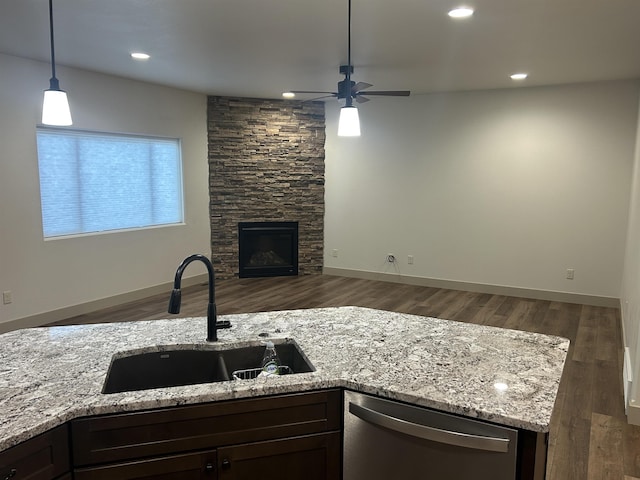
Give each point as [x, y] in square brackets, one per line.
[267, 249]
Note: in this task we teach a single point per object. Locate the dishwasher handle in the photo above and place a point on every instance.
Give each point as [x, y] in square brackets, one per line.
[460, 439]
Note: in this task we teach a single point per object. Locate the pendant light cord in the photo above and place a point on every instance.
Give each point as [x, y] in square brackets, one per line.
[53, 55]
[349, 99]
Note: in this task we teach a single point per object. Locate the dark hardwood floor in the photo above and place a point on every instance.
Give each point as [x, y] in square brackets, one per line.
[590, 438]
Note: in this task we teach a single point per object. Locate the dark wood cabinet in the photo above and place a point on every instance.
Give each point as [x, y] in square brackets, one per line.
[309, 457]
[285, 437]
[190, 466]
[44, 457]
[312, 457]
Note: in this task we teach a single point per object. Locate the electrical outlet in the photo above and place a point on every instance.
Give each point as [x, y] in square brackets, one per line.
[410, 259]
[570, 273]
[334, 253]
[391, 258]
[7, 297]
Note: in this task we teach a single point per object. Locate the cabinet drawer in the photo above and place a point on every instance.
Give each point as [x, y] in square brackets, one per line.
[189, 466]
[118, 437]
[41, 458]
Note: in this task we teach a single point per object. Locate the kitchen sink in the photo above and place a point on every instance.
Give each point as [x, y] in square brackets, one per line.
[175, 367]
[167, 368]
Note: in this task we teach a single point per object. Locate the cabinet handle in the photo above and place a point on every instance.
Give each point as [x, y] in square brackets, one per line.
[11, 474]
[226, 464]
[209, 467]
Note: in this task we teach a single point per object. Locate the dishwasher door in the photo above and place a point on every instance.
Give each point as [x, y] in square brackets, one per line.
[390, 440]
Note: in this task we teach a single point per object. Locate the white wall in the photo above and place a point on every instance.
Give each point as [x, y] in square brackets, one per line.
[630, 297]
[505, 187]
[45, 276]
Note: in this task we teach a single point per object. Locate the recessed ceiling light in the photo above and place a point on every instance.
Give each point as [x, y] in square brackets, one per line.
[288, 95]
[519, 76]
[140, 56]
[461, 12]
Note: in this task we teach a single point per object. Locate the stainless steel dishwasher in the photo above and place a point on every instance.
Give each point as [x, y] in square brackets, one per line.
[387, 440]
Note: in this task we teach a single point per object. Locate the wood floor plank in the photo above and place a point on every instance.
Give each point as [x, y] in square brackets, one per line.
[587, 335]
[517, 318]
[571, 449]
[589, 435]
[485, 315]
[631, 449]
[605, 459]
[608, 335]
[607, 389]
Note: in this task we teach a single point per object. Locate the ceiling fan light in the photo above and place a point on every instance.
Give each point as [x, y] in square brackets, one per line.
[55, 108]
[349, 122]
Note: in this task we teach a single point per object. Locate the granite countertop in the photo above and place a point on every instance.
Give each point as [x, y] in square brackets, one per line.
[51, 375]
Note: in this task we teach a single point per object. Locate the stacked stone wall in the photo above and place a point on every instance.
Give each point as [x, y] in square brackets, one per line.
[266, 163]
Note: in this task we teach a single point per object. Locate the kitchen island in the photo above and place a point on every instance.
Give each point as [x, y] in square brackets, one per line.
[49, 376]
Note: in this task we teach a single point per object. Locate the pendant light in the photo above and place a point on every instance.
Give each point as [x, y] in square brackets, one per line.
[349, 121]
[55, 108]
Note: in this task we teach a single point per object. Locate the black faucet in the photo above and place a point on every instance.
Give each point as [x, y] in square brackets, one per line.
[176, 296]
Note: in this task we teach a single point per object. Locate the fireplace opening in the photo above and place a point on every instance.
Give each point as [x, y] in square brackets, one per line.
[267, 249]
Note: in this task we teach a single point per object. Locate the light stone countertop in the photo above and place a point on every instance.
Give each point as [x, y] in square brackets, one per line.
[51, 375]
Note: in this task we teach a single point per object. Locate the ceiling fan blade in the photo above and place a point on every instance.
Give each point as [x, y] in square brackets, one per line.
[313, 91]
[391, 93]
[361, 99]
[319, 98]
[360, 86]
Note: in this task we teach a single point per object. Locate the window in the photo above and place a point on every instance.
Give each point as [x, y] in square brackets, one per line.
[94, 182]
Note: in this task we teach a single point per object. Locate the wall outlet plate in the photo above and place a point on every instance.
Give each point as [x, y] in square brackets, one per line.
[7, 297]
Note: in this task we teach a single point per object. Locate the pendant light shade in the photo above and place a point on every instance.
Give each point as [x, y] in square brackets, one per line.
[55, 107]
[349, 122]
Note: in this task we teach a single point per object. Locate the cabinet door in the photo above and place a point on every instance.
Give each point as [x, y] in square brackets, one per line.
[312, 457]
[41, 458]
[193, 466]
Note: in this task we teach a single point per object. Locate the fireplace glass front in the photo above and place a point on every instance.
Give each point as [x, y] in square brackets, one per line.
[267, 249]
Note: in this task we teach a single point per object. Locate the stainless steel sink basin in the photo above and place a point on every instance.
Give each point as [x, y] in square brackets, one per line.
[174, 367]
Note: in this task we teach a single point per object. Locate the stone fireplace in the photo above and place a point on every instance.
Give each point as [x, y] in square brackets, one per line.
[266, 164]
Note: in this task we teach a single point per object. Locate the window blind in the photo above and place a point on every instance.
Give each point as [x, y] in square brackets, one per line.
[95, 182]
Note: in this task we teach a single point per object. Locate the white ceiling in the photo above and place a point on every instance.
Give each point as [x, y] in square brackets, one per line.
[260, 48]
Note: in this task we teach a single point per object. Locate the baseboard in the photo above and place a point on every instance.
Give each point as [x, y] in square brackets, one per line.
[88, 307]
[627, 375]
[477, 287]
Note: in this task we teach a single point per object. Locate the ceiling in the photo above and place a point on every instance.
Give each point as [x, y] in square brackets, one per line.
[260, 48]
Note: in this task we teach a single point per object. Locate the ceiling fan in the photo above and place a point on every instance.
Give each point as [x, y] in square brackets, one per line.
[350, 90]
